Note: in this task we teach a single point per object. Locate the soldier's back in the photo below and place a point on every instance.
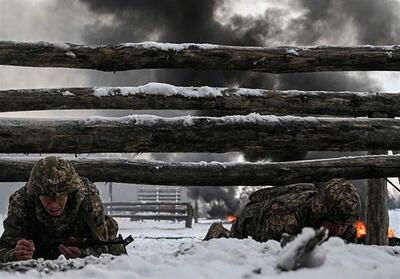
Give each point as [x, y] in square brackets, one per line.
[273, 211]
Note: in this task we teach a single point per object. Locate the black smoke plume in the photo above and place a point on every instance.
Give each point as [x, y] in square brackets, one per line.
[343, 22]
[221, 199]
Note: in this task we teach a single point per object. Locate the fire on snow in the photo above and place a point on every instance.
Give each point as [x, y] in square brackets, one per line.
[362, 230]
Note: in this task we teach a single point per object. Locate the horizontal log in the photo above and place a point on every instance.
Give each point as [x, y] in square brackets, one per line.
[150, 217]
[223, 100]
[216, 174]
[147, 133]
[164, 199]
[142, 203]
[150, 55]
[134, 210]
[157, 196]
[152, 191]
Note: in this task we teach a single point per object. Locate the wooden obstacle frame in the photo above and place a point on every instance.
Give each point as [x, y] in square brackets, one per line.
[302, 121]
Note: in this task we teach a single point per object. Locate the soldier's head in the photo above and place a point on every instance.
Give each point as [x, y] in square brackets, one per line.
[52, 181]
[337, 206]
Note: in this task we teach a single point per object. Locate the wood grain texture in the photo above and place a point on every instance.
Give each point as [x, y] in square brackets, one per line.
[230, 101]
[215, 174]
[197, 134]
[194, 56]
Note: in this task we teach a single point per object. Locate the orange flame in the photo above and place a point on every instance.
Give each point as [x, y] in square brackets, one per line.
[231, 218]
[362, 230]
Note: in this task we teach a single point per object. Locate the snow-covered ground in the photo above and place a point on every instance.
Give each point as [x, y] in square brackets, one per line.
[189, 257]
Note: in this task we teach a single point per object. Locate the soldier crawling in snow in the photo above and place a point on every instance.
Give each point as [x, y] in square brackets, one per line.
[272, 212]
[55, 204]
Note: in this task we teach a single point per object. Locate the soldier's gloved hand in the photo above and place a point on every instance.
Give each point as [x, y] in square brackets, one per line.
[24, 250]
[70, 252]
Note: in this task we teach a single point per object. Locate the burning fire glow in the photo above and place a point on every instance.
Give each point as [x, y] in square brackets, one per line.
[231, 218]
[362, 230]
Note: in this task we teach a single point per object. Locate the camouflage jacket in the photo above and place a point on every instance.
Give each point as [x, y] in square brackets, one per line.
[274, 211]
[22, 222]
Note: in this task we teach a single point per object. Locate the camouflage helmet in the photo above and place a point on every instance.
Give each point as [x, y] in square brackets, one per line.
[339, 202]
[53, 176]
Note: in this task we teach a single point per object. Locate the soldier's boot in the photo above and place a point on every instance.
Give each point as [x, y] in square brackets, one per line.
[216, 230]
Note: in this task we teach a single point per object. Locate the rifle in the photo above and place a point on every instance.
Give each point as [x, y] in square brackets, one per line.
[87, 242]
[49, 250]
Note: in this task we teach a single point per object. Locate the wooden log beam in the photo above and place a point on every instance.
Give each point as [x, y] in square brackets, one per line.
[134, 210]
[216, 174]
[222, 100]
[147, 133]
[145, 203]
[200, 56]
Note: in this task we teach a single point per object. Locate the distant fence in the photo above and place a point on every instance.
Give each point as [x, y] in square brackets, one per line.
[135, 211]
[159, 194]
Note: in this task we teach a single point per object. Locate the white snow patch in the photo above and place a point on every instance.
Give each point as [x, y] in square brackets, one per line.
[286, 258]
[163, 89]
[102, 91]
[248, 92]
[70, 54]
[149, 120]
[206, 91]
[64, 46]
[158, 89]
[292, 51]
[188, 121]
[250, 118]
[170, 46]
[67, 93]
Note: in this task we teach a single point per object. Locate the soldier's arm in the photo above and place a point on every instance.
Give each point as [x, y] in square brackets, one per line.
[14, 227]
[95, 213]
[350, 235]
[107, 228]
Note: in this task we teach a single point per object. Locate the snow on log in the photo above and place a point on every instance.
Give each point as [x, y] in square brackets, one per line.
[151, 55]
[215, 173]
[224, 100]
[148, 133]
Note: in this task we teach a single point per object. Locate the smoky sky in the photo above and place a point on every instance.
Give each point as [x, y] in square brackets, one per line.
[322, 22]
[341, 22]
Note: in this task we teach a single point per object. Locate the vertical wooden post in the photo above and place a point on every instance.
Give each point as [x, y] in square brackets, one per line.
[377, 216]
[189, 216]
[110, 197]
[110, 191]
[196, 211]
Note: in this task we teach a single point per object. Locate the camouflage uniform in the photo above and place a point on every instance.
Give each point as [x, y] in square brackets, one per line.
[83, 215]
[287, 209]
